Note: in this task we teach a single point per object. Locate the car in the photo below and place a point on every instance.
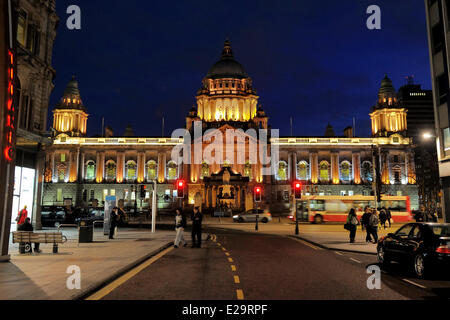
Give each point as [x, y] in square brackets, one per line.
[250, 216]
[52, 216]
[422, 246]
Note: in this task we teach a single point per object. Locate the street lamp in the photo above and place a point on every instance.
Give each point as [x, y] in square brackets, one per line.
[427, 135]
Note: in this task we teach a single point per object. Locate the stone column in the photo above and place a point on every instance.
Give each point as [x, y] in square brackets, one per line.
[314, 167]
[81, 167]
[385, 175]
[356, 167]
[120, 167]
[54, 174]
[140, 167]
[335, 179]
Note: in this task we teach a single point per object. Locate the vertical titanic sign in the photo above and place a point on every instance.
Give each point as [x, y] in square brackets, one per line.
[110, 203]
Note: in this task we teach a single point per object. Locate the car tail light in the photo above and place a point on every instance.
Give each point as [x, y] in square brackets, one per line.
[269, 214]
[443, 249]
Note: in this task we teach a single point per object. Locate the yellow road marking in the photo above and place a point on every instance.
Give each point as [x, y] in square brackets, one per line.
[230, 260]
[223, 249]
[307, 244]
[240, 294]
[218, 243]
[130, 274]
[236, 279]
[227, 254]
[233, 268]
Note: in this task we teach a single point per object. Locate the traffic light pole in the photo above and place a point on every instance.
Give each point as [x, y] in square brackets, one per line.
[154, 207]
[296, 217]
[257, 217]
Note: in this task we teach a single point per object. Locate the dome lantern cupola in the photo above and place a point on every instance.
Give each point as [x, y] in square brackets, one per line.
[227, 93]
[69, 115]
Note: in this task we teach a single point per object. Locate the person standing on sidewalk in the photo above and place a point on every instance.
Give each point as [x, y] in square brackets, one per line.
[365, 223]
[373, 225]
[383, 217]
[197, 228]
[180, 225]
[352, 222]
[113, 221]
[22, 216]
[389, 216]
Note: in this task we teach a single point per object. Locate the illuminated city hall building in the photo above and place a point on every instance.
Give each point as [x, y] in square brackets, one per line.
[83, 171]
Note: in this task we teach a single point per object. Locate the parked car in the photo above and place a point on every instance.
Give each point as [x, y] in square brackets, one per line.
[250, 216]
[422, 246]
[94, 214]
[52, 216]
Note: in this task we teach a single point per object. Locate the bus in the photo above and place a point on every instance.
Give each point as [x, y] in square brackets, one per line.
[319, 209]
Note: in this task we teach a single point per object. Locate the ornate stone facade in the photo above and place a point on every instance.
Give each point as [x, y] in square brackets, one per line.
[96, 167]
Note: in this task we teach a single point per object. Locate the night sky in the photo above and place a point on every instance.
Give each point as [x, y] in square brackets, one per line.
[138, 61]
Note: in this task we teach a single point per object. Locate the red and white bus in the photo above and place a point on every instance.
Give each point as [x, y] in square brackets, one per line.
[336, 208]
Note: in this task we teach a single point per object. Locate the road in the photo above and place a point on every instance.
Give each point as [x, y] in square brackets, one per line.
[236, 265]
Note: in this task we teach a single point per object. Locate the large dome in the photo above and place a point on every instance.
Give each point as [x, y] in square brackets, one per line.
[227, 67]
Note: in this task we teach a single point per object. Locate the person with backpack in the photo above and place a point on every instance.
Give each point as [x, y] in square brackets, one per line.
[373, 225]
[383, 217]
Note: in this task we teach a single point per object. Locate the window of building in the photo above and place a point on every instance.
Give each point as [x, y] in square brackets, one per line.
[172, 171]
[396, 159]
[438, 37]
[248, 170]
[303, 171]
[61, 169]
[324, 171]
[59, 195]
[282, 171]
[105, 194]
[92, 195]
[343, 193]
[90, 170]
[22, 27]
[397, 171]
[205, 170]
[151, 170]
[351, 193]
[367, 171]
[346, 175]
[131, 170]
[442, 82]
[112, 192]
[110, 170]
[63, 157]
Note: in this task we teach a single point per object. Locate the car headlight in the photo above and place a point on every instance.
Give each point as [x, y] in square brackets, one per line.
[235, 217]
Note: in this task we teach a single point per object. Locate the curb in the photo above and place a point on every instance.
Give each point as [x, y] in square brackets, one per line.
[97, 286]
[330, 248]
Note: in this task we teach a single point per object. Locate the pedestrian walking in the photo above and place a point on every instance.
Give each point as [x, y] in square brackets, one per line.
[197, 228]
[365, 223]
[373, 225]
[113, 222]
[352, 224]
[22, 216]
[180, 225]
[420, 214]
[28, 227]
[389, 217]
[383, 217]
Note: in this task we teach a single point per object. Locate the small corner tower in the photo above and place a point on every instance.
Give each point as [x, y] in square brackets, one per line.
[69, 116]
[388, 115]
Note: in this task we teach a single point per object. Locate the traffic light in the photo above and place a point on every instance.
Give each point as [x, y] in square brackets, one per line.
[180, 188]
[257, 194]
[298, 190]
[142, 191]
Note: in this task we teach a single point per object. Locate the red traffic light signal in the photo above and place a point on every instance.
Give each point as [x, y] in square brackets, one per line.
[142, 191]
[258, 194]
[180, 188]
[298, 190]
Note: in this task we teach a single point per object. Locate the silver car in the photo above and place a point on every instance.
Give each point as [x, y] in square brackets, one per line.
[250, 216]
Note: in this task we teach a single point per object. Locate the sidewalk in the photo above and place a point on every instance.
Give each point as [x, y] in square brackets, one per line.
[333, 237]
[43, 276]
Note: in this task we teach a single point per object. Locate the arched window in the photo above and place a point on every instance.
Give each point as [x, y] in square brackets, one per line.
[282, 171]
[248, 170]
[205, 170]
[172, 171]
[90, 170]
[324, 171]
[131, 170]
[151, 170]
[303, 171]
[110, 170]
[367, 171]
[346, 174]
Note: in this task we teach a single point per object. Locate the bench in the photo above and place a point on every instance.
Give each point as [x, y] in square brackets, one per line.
[23, 238]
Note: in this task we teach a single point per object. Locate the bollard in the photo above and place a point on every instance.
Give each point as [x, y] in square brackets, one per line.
[22, 248]
[55, 248]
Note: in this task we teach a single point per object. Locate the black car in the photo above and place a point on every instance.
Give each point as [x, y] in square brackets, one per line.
[52, 216]
[423, 246]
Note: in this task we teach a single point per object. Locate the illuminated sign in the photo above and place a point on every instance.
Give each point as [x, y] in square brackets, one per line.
[10, 123]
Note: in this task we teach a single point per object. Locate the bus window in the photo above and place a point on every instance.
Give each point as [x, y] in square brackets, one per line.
[317, 205]
[398, 205]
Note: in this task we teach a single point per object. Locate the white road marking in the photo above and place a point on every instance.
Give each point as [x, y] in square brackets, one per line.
[357, 261]
[338, 253]
[414, 284]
